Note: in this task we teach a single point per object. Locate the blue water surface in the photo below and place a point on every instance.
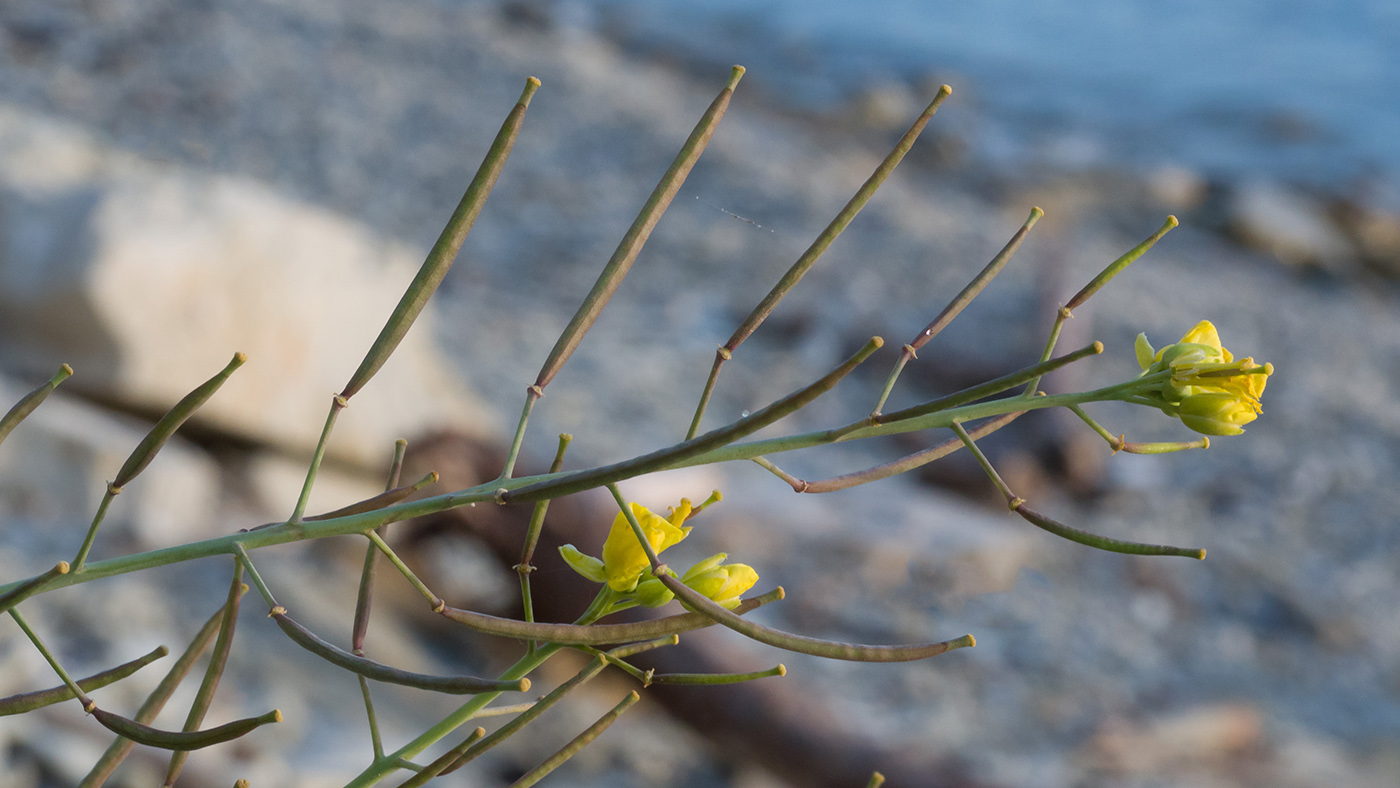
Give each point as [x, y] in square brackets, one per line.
[1298, 90]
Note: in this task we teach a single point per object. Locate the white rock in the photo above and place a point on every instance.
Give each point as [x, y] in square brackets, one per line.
[146, 278]
[1287, 224]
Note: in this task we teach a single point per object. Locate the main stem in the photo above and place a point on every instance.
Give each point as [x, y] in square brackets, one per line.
[284, 533]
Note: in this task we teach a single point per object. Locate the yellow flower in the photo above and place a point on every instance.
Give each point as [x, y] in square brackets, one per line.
[624, 563]
[721, 582]
[1216, 414]
[1208, 389]
[624, 560]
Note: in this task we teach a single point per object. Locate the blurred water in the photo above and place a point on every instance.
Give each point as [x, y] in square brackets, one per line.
[1300, 90]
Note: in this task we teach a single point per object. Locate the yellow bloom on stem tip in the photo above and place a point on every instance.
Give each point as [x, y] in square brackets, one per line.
[1208, 389]
[624, 562]
[723, 583]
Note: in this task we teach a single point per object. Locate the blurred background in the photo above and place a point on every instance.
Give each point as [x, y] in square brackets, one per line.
[181, 180]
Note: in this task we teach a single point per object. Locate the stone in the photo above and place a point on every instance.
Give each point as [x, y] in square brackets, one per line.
[1288, 224]
[1201, 734]
[147, 277]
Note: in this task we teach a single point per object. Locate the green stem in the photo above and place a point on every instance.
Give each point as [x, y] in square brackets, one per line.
[697, 446]
[375, 740]
[522, 668]
[338, 403]
[1011, 499]
[19, 592]
[81, 558]
[797, 484]
[34, 638]
[532, 395]
[1061, 315]
[254, 576]
[721, 355]
[398, 563]
[532, 537]
[552, 485]
[995, 386]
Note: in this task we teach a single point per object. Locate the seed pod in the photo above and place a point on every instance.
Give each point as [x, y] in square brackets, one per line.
[380, 501]
[31, 401]
[453, 685]
[177, 740]
[830, 649]
[444, 252]
[146, 450]
[29, 701]
[595, 634]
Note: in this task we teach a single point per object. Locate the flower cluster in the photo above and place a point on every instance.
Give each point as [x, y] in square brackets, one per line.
[1207, 389]
[625, 569]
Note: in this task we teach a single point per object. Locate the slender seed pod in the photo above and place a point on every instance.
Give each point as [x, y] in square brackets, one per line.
[713, 439]
[595, 634]
[1103, 542]
[464, 753]
[218, 658]
[452, 685]
[705, 679]
[991, 387]
[29, 701]
[30, 401]
[151, 444]
[904, 464]
[978, 283]
[577, 744]
[380, 501]
[631, 244]
[181, 741]
[444, 252]
[156, 701]
[830, 649]
[1116, 267]
[834, 229]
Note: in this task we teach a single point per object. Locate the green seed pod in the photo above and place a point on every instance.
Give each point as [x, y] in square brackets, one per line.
[453, 685]
[148, 447]
[444, 252]
[830, 649]
[31, 401]
[595, 634]
[29, 701]
[181, 741]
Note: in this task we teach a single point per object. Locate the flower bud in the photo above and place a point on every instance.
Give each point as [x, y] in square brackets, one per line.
[586, 565]
[1216, 414]
[722, 583]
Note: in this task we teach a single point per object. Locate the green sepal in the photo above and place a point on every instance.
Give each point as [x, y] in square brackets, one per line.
[586, 565]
